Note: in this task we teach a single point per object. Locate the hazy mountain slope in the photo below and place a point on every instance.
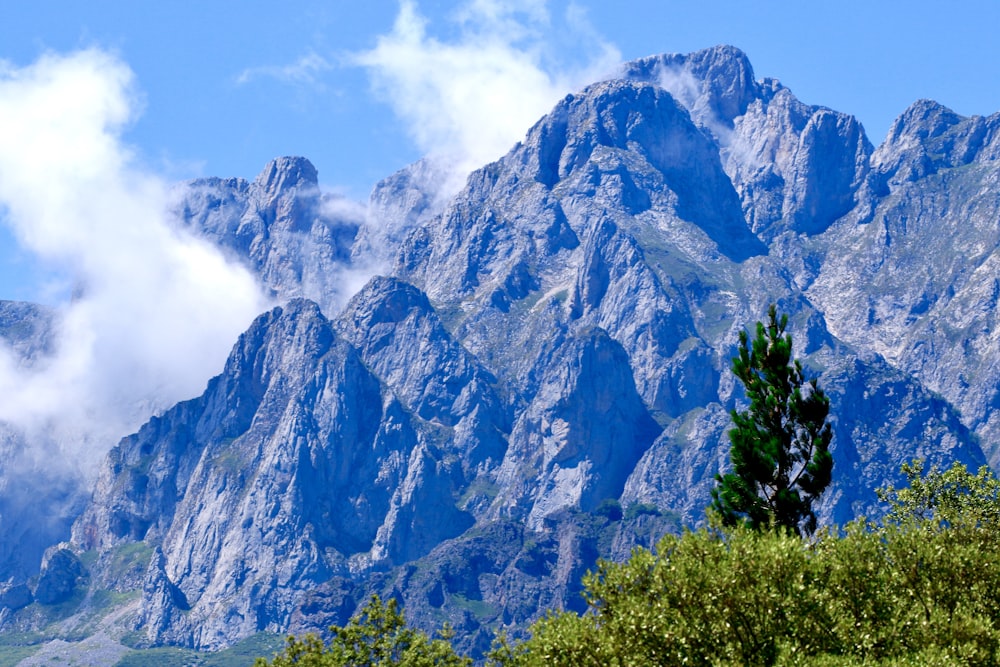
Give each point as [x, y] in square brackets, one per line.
[28, 481]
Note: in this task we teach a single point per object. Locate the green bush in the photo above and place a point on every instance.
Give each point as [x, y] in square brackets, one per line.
[375, 637]
[921, 587]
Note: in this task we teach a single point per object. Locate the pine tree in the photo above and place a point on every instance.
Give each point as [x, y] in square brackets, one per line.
[781, 443]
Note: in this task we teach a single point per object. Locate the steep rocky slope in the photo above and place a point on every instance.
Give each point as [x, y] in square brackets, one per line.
[918, 283]
[541, 377]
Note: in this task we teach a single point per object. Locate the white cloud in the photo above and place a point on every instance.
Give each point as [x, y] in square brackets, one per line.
[306, 70]
[466, 101]
[338, 206]
[157, 309]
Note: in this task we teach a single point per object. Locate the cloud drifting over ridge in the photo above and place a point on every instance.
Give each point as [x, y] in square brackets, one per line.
[156, 309]
[467, 100]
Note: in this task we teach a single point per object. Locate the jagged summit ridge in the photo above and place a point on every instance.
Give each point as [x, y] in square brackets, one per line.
[794, 166]
[294, 237]
[716, 83]
[287, 172]
[929, 137]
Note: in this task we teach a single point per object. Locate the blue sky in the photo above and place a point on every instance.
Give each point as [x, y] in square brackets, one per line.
[870, 58]
[220, 88]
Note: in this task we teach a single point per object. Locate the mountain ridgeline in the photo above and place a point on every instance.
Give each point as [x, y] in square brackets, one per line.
[539, 376]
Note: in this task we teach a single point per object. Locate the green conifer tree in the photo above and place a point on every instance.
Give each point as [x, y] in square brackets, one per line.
[781, 443]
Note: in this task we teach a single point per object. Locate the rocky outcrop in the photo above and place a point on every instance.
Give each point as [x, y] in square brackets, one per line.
[61, 572]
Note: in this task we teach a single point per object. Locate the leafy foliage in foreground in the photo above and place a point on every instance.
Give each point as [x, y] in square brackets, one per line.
[921, 587]
[376, 636]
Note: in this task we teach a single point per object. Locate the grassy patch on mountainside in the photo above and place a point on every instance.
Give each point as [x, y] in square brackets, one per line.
[238, 655]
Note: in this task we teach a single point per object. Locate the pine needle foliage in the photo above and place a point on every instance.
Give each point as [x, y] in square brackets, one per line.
[781, 443]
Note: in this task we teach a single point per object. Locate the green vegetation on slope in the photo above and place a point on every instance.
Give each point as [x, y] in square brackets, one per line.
[238, 655]
[921, 587]
[376, 636]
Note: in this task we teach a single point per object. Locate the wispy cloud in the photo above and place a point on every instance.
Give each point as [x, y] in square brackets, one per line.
[156, 309]
[307, 70]
[468, 99]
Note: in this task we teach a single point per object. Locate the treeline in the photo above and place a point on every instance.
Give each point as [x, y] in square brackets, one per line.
[919, 587]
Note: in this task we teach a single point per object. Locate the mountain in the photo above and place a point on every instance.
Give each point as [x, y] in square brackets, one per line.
[918, 283]
[540, 376]
[295, 238]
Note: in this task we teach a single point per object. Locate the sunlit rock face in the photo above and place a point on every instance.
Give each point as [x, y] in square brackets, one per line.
[294, 237]
[539, 376]
[918, 284]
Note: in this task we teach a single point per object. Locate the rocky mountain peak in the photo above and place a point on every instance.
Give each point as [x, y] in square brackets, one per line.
[794, 166]
[281, 226]
[716, 83]
[284, 173]
[635, 139]
[544, 374]
[924, 119]
[929, 137]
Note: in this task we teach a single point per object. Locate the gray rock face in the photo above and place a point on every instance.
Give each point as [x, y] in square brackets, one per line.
[61, 572]
[293, 467]
[580, 437]
[294, 237]
[917, 284]
[544, 377]
[401, 338]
